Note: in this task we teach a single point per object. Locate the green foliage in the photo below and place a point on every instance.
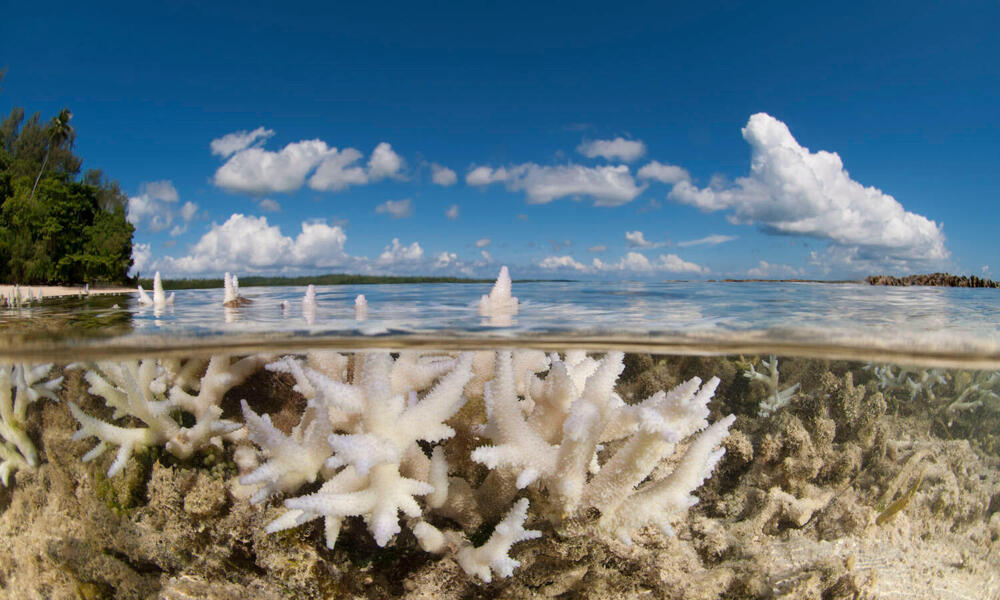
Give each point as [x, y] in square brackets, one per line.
[56, 227]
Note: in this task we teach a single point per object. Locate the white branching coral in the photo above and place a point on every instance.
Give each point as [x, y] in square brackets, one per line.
[157, 394]
[370, 417]
[160, 298]
[776, 398]
[376, 460]
[950, 394]
[20, 385]
[494, 554]
[557, 442]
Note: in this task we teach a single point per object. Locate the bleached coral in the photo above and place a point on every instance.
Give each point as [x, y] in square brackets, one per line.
[360, 308]
[368, 415]
[950, 394]
[776, 398]
[381, 420]
[231, 292]
[160, 298]
[557, 444]
[157, 394]
[20, 385]
[499, 302]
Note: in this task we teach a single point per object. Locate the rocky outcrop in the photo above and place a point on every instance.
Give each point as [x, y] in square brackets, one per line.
[936, 279]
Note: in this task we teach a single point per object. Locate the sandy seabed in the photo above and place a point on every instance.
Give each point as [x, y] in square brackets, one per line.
[847, 492]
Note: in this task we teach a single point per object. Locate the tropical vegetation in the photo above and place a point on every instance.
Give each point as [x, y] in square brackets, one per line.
[57, 225]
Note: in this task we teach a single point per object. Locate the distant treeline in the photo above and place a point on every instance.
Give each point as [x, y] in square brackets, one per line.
[332, 279]
[936, 279]
[57, 225]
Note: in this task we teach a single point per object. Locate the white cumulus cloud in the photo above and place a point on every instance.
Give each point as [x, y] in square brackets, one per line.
[616, 149]
[562, 262]
[793, 191]
[663, 173]
[443, 175]
[259, 171]
[397, 209]
[384, 162]
[606, 185]
[231, 143]
[252, 169]
[251, 243]
[636, 239]
[483, 242]
[397, 252]
[445, 259]
[269, 205]
[142, 255]
[765, 269]
[338, 170]
[632, 262]
[154, 208]
[452, 212]
[637, 263]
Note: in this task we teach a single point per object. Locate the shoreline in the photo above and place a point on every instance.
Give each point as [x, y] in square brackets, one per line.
[61, 291]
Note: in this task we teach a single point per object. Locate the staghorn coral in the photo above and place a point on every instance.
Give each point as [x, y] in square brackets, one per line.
[364, 424]
[776, 398]
[20, 385]
[157, 394]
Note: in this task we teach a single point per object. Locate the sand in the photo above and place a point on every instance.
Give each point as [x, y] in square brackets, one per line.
[56, 291]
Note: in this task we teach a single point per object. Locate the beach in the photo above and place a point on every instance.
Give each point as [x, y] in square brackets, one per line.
[56, 291]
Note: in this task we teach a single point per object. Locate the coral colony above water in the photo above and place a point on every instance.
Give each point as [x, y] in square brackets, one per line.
[211, 475]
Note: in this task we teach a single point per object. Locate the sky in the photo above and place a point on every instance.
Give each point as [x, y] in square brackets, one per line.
[643, 140]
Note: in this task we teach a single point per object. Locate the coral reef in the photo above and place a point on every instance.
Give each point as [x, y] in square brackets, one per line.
[833, 496]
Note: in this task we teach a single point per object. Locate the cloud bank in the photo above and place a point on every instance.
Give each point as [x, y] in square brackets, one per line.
[633, 262]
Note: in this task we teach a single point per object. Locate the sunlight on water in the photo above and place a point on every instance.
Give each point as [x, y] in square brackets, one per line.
[923, 323]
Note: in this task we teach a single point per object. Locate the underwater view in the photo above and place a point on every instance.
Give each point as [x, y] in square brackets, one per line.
[456, 301]
[426, 441]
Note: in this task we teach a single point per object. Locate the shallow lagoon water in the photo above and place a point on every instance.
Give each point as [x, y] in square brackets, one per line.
[868, 483]
[925, 324]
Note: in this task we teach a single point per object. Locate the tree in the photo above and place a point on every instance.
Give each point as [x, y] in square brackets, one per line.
[59, 132]
[57, 226]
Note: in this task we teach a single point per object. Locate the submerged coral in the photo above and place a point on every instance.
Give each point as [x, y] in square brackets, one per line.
[158, 394]
[20, 385]
[776, 398]
[363, 438]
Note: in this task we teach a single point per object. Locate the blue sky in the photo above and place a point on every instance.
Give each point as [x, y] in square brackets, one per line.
[639, 140]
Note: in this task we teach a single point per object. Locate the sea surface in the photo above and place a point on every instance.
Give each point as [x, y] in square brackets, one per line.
[927, 325]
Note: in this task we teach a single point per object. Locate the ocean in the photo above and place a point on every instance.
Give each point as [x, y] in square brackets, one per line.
[601, 440]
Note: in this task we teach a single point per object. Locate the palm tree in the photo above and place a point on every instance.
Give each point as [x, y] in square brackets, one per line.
[59, 131]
